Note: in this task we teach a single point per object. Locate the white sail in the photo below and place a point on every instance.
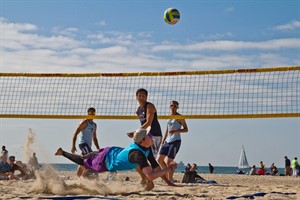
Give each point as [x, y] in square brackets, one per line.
[243, 163]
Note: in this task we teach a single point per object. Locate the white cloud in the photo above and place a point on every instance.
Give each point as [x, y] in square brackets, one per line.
[65, 31]
[22, 36]
[100, 39]
[218, 36]
[289, 26]
[123, 39]
[226, 45]
[8, 26]
[24, 49]
[101, 23]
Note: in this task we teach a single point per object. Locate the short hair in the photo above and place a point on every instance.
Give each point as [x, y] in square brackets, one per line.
[12, 157]
[143, 90]
[91, 109]
[175, 102]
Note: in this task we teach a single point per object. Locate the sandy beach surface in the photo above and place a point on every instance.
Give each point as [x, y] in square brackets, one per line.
[52, 183]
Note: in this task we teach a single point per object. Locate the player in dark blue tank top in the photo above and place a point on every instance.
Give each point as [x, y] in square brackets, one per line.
[148, 117]
[142, 114]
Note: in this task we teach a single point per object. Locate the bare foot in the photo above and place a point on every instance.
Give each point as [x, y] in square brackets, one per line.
[149, 186]
[59, 152]
[143, 181]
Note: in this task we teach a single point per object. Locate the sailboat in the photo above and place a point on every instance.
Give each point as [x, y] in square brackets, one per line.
[243, 162]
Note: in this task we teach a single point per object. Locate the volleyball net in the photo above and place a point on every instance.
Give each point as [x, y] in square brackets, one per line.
[238, 93]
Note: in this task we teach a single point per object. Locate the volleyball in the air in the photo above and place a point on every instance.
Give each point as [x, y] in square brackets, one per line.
[171, 16]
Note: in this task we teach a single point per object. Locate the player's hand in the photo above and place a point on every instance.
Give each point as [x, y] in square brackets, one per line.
[130, 134]
[172, 131]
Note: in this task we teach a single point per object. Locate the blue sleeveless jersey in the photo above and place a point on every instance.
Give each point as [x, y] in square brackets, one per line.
[155, 127]
[172, 137]
[117, 158]
[87, 133]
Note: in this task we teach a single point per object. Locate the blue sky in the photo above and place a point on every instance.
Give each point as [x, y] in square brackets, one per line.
[131, 36]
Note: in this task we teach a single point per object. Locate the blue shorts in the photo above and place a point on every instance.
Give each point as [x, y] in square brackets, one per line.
[85, 148]
[170, 149]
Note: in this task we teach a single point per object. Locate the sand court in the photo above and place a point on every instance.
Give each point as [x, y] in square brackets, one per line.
[50, 183]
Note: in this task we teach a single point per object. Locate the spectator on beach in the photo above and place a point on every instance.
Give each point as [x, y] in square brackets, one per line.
[273, 169]
[295, 166]
[261, 164]
[211, 168]
[253, 170]
[88, 129]
[14, 167]
[5, 173]
[239, 171]
[29, 172]
[172, 139]
[261, 170]
[33, 162]
[4, 151]
[191, 175]
[287, 166]
[136, 155]
[187, 167]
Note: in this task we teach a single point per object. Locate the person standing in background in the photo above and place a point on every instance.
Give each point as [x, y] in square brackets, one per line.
[287, 166]
[88, 129]
[211, 168]
[295, 166]
[4, 151]
[172, 139]
[33, 162]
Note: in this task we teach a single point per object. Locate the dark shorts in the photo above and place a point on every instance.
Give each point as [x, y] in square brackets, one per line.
[85, 148]
[170, 149]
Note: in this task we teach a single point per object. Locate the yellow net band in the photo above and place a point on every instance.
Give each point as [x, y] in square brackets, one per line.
[219, 94]
[230, 71]
[159, 117]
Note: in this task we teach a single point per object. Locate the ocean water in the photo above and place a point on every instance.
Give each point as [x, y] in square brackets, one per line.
[200, 169]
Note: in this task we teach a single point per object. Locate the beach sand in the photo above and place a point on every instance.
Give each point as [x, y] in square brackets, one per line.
[52, 183]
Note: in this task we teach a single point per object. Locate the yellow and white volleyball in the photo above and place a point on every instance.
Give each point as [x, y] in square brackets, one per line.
[171, 16]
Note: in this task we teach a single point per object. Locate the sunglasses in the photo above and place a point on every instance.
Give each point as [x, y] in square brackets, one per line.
[149, 135]
[173, 105]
